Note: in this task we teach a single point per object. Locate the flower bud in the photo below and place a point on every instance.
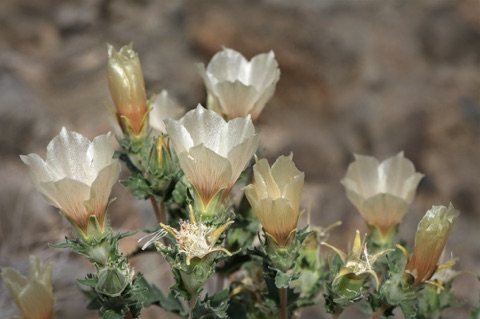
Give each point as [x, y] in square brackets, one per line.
[432, 234]
[112, 280]
[125, 80]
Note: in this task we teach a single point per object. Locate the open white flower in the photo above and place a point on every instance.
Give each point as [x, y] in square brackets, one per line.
[76, 177]
[163, 107]
[33, 295]
[383, 191]
[237, 87]
[212, 153]
[275, 197]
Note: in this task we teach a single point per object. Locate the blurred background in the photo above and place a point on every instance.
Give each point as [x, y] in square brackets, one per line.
[368, 77]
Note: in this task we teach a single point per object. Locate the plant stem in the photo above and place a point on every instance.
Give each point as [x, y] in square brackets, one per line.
[377, 314]
[283, 303]
[191, 304]
[159, 210]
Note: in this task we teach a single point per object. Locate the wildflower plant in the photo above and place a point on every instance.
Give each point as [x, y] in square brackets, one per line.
[263, 263]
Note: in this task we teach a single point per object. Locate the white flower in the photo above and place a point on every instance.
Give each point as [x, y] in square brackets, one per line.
[212, 153]
[33, 295]
[237, 87]
[383, 191]
[163, 107]
[76, 177]
[275, 196]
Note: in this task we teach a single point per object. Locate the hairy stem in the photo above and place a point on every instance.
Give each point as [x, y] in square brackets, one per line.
[283, 303]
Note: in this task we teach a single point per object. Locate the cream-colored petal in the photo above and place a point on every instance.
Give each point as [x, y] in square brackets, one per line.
[206, 170]
[264, 182]
[236, 99]
[37, 168]
[240, 156]
[66, 155]
[277, 218]
[40, 271]
[364, 171]
[204, 126]
[251, 192]
[235, 132]
[355, 198]
[384, 210]
[262, 100]
[179, 136]
[228, 65]
[163, 107]
[36, 301]
[99, 155]
[410, 186]
[395, 171]
[293, 191]
[100, 191]
[284, 170]
[264, 71]
[69, 196]
[208, 79]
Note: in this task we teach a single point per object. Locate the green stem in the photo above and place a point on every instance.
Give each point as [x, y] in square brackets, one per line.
[283, 303]
[191, 303]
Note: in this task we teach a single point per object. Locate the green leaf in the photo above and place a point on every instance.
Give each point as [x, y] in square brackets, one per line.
[212, 307]
[110, 314]
[282, 279]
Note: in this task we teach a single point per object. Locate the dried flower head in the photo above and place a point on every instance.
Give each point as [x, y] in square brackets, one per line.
[33, 295]
[382, 191]
[127, 87]
[275, 196]
[432, 234]
[237, 87]
[211, 152]
[197, 240]
[358, 263]
[76, 177]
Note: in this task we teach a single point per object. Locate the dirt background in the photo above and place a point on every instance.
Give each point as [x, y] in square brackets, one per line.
[370, 77]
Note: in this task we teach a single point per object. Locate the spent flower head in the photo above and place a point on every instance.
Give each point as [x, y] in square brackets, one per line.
[33, 295]
[77, 177]
[358, 263]
[432, 234]
[197, 240]
[275, 197]
[212, 152]
[237, 87]
[382, 191]
[127, 87]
